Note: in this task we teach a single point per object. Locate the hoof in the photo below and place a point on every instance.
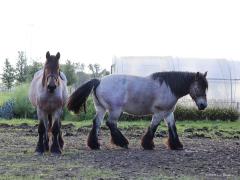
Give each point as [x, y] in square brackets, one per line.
[177, 145]
[39, 149]
[147, 142]
[95, 146]
[92, 141]
[148, 145]
[56, 150]
[120, 141]
[46, 147]
[117, 137]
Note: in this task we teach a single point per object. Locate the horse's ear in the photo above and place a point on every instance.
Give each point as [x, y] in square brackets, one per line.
[58, 56]
[43, 79]
[48, 55]
[205, 74]
[197, 76]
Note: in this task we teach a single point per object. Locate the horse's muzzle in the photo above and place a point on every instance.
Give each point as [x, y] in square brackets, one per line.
[51, 88]
[202, 106]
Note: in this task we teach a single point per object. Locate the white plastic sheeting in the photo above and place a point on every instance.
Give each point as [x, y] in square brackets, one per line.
[223, 75]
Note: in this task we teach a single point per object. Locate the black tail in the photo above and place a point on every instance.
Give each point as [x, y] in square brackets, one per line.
[79, 97]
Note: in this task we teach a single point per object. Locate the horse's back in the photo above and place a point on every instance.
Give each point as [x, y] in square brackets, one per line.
[133, 94]
[63, 77]
[34, 87]
[64, 87]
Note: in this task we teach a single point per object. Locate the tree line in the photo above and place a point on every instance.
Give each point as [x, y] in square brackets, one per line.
[76, 73]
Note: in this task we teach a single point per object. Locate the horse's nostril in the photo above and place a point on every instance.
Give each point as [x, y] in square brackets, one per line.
[202, 106]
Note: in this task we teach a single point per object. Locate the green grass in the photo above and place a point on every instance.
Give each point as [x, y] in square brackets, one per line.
[23, 170]
[224, 129]
[204, 128]
[16, 122]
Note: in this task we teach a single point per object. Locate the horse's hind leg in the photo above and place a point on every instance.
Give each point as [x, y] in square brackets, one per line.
[116, 135]
[60, 137]
[173, 141]
[92, 141]
[147, 139]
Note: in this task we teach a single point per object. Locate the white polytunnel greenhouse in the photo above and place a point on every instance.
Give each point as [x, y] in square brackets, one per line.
[223, 75]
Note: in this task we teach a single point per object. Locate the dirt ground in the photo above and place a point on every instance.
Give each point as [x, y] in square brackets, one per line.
[202, 158]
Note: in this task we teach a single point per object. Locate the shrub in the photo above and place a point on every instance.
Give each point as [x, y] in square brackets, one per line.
[181, 113]
[81, 116]
[4, 97]
[211, 113]
[6, 110]
[22, 105]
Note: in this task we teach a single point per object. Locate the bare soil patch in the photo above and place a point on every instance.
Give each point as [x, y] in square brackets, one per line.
[201, 158]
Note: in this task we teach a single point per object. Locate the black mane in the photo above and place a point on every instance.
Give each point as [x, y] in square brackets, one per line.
[179, 82]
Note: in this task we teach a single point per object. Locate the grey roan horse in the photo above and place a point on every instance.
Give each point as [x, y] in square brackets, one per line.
[48, 93]
[154, 95]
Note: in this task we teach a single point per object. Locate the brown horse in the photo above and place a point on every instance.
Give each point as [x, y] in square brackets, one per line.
[48, 93]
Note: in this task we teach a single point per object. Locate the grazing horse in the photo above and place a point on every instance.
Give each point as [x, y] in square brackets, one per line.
[154, 95]
[48, 93]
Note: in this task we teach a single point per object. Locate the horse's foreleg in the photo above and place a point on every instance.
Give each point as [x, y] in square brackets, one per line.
[41, 132]
[48, 130]
[92, 141]
[173, 141]
[46, 138]
[147, 139]
[42, 144]
[55, 148]
[116, 135]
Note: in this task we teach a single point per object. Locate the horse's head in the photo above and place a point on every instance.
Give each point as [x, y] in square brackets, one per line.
[51, 72]
[198, 90]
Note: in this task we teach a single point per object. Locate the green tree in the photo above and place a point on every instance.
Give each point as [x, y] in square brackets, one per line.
[21, 68]
[95, 69]
[69, 70]
[32, 69]
[81, 67]
[8, 74]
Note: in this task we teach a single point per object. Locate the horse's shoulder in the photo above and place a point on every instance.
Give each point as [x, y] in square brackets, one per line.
[38, 73]
[63, 77]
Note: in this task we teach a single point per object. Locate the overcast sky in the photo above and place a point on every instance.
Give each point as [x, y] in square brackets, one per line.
[95, 31]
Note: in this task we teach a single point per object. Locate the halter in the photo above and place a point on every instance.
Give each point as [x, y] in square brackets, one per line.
[53, 75]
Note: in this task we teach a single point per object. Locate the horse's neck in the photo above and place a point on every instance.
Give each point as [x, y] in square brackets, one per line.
[182, 86]
[179, 85]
